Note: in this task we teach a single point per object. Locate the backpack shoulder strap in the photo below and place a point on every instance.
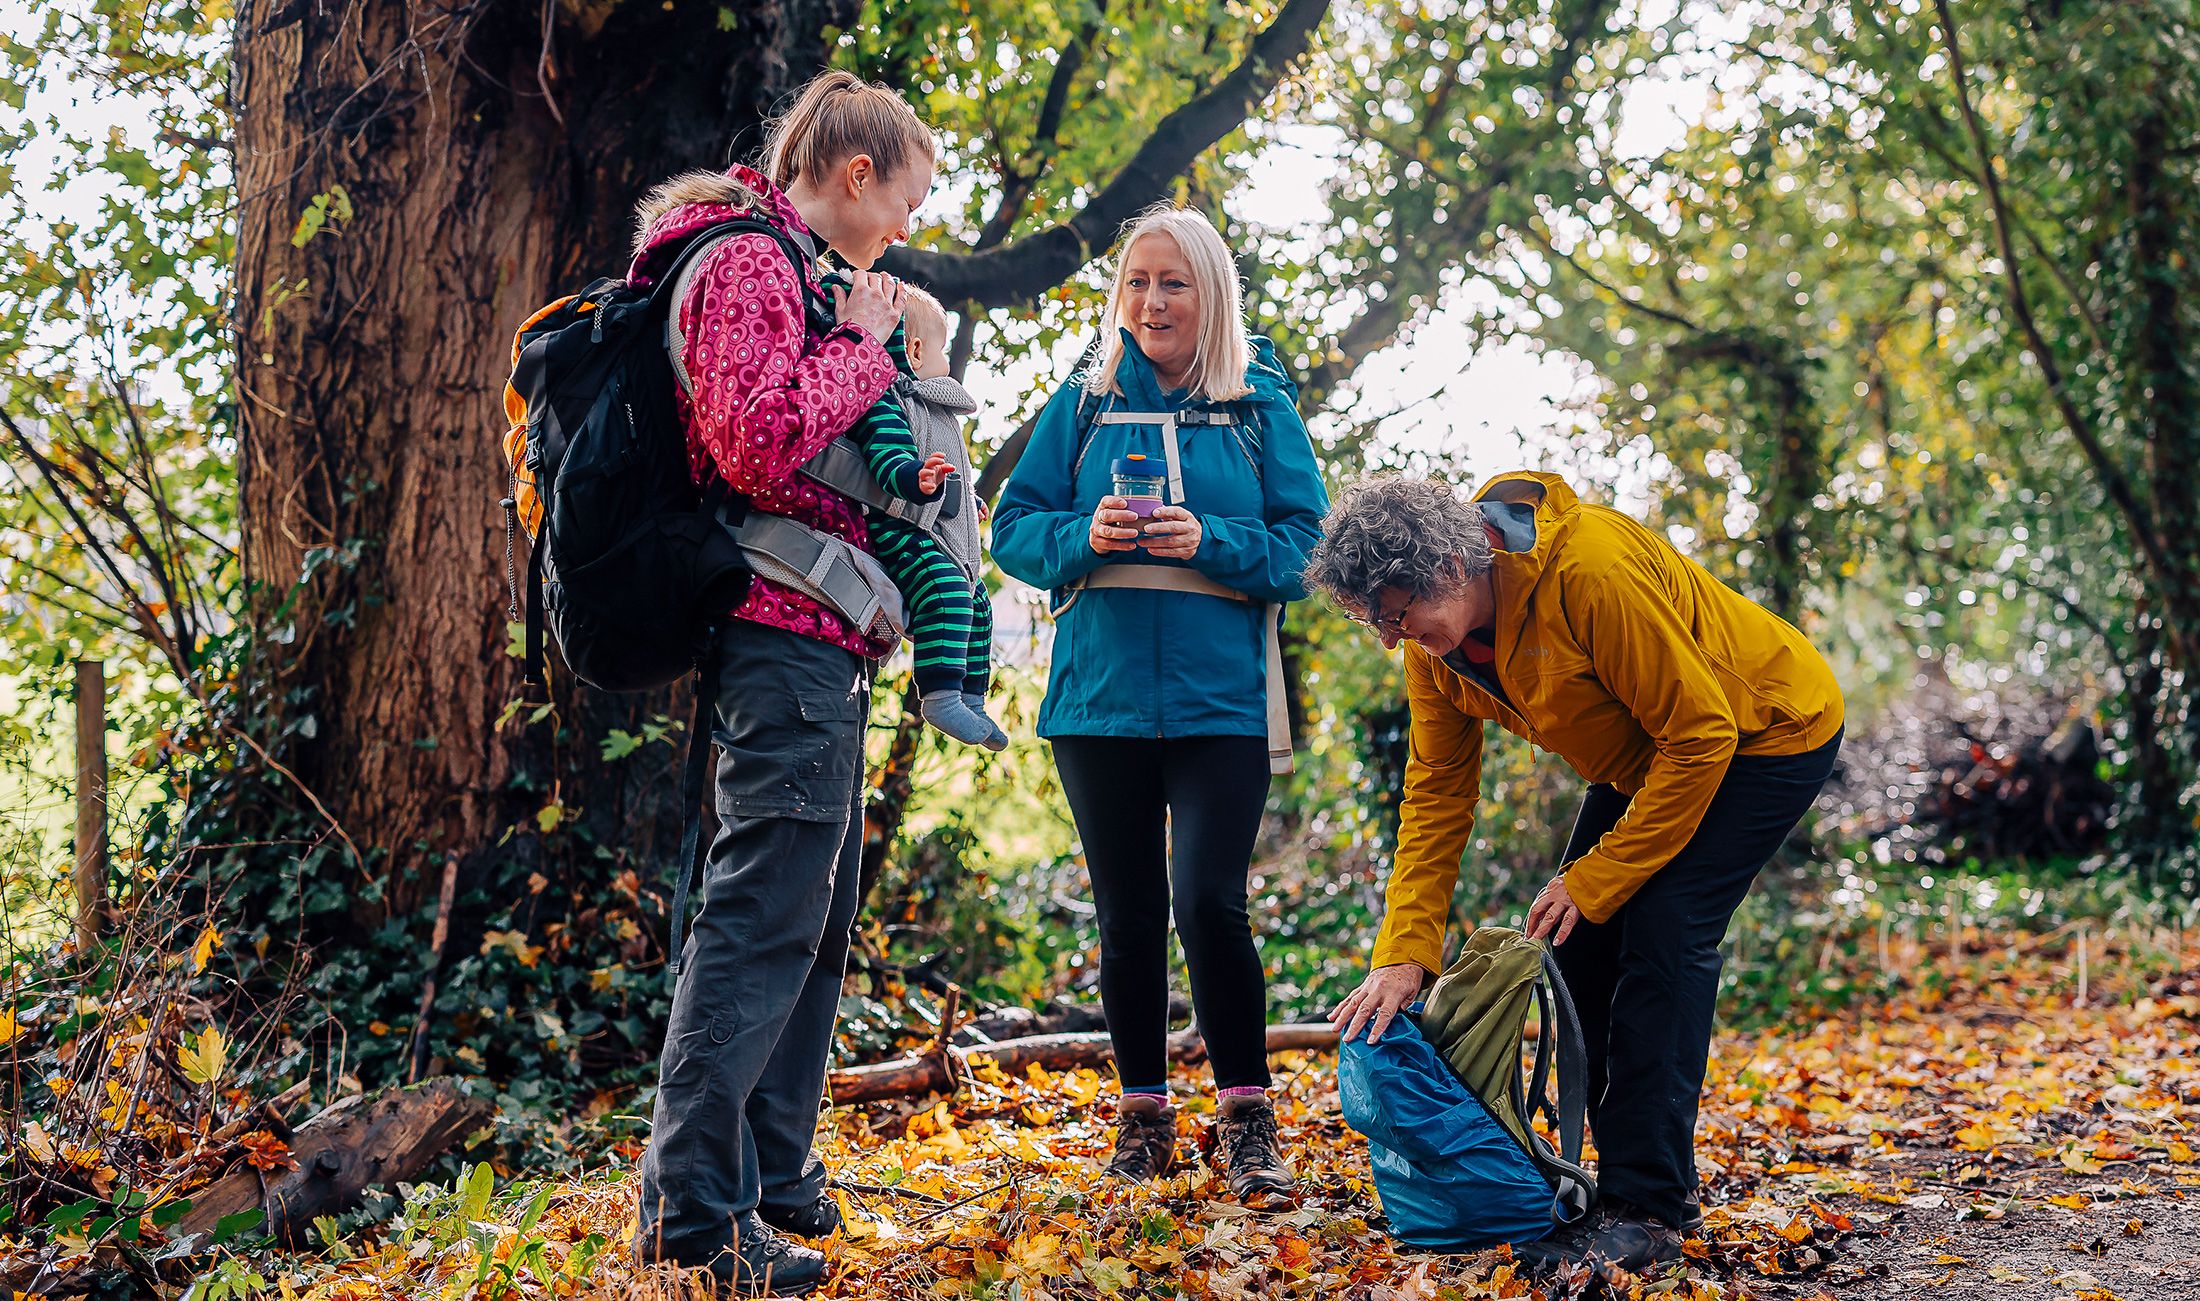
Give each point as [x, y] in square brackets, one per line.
[672, 288]
[1560, 1024]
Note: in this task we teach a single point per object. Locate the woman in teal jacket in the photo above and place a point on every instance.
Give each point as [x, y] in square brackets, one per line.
[1164, 699]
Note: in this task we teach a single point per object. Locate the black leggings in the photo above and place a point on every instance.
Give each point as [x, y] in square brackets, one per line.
[1131, 797]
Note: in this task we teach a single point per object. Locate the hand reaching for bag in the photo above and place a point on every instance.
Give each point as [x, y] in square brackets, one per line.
[1385, 992]
[1554, 912]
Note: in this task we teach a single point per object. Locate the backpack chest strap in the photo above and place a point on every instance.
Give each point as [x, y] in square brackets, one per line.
[1170, 422]
[816, 316]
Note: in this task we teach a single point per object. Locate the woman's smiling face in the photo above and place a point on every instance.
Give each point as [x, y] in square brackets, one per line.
[1160, 307]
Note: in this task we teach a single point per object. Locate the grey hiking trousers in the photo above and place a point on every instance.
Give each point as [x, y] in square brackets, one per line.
[743, 1072]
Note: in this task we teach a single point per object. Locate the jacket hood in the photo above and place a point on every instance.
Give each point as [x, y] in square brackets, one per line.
[1554, 506]
[1142, 391]
[1267, 375]
[690, 201]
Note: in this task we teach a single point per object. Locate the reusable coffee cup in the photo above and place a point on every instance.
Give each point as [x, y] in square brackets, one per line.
[1138, 481]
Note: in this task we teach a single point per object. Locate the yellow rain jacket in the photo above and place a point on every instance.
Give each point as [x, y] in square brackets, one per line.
[1622, 657]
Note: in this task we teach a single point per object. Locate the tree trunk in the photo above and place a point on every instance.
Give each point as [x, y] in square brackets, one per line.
[1798, 472]
[356, 1144]
[916, 1076]
[473, 166]
[2167, 395]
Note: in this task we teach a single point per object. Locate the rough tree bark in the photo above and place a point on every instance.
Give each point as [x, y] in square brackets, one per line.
[484, 159]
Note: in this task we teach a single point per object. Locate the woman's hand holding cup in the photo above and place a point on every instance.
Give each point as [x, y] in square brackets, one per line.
[1114, 527]
[1172, 532]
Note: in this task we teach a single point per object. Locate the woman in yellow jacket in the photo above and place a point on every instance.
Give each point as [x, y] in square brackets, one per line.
[1704, 724]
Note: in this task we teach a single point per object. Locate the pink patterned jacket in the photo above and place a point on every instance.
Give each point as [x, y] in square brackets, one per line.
[768, 393]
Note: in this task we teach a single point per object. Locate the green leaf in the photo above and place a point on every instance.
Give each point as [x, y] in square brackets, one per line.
[310, 221]
[229, 1226]
[1110, 1275]
[534, 1212]
[68, 1218]
[473, 1199]
[168, 1213]
[619, 744]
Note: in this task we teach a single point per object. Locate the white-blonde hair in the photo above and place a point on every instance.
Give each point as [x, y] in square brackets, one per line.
[922, 313]
[1219, 365]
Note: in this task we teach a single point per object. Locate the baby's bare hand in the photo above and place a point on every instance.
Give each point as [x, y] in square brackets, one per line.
[933, 473]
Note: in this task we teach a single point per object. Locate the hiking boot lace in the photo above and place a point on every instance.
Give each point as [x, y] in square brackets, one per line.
[1142, 1146]
[1249, 1142]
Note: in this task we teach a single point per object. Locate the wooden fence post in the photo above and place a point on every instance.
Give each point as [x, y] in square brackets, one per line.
[91, 801]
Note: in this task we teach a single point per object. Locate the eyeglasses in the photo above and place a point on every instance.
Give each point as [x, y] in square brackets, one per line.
[1392, 623]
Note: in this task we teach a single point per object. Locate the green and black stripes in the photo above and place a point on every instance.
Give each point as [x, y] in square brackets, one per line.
[950, 617]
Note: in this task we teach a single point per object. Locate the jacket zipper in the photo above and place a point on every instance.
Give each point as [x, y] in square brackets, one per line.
[1159, 732]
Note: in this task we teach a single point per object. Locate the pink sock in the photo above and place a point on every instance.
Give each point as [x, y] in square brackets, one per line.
[1242, 1091]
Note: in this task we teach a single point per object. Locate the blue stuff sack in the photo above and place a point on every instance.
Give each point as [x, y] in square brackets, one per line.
[1451, 1177]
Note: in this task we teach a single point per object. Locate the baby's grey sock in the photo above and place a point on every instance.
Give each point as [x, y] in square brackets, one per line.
[998, 741]
[949, 712]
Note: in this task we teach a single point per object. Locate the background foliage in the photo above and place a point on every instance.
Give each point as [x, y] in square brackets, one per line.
[1907, 356]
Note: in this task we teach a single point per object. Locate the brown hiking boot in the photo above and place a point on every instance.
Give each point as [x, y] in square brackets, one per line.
[1145, 1140]
[1245, 1150]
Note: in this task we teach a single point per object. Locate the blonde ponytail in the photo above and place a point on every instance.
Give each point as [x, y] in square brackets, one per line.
[835, 117]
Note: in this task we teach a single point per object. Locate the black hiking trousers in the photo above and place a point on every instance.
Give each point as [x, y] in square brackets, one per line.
[1646, 983]
[743, 1073]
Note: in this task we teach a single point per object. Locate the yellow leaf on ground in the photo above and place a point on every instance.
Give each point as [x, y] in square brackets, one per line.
[1976, 1138]
[39, 1143]
[1080, 1087]
[1038, 1256]
[10, 1029]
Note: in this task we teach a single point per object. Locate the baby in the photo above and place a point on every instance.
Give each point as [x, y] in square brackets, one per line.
[912, 440]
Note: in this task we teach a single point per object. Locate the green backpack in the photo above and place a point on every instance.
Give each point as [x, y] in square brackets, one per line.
[1476, 1016]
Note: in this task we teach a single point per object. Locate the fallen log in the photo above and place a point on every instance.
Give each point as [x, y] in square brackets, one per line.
[351, 1146]
[907, 1077]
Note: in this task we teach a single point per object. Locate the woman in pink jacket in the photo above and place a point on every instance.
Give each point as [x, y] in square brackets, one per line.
[729, 1167]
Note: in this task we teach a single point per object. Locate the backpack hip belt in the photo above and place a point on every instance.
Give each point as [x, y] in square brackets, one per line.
[1172, 578]
[845, 578]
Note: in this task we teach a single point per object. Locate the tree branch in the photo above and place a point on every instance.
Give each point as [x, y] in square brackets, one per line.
[2113, 479]
[1017, 273]
[1046, 134]
[1543, 241]
[1379, 323]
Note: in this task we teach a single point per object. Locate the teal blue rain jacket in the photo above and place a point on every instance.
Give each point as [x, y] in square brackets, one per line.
[1129, 662]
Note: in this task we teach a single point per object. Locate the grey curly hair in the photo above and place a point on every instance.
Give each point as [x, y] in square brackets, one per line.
[1391, 531]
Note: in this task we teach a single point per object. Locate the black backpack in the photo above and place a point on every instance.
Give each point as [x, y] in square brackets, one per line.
[633, 568]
